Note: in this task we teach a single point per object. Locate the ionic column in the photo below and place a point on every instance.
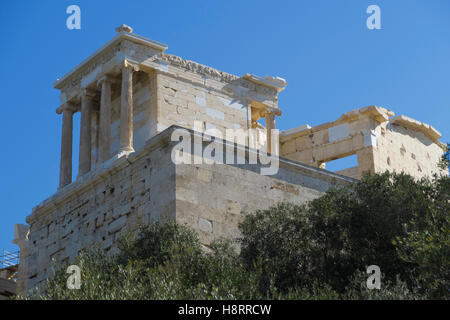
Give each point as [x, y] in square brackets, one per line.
[270, 124]
[105, 120]
[65, 175]
[126, 110]
[95, 118]
[87, 104]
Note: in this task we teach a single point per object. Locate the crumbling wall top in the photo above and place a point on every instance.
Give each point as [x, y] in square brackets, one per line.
[378, 114]
[416, 125]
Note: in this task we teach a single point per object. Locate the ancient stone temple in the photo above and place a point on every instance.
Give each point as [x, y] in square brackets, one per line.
[134, 98]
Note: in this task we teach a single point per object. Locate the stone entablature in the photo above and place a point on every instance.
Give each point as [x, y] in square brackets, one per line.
[380, 141]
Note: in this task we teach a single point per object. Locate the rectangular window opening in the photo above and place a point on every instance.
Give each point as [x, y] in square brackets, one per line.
[347, 166]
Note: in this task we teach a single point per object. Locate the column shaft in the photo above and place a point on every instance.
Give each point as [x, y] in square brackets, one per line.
[270, 124]
[95, 118]
[84, 164]
[65, 176]
[126, 111]
[105, 121]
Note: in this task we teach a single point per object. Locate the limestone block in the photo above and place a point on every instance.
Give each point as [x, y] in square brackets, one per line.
[121, 210]
[117, 224]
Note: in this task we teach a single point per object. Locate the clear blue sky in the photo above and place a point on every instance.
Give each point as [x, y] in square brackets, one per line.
[331, 61]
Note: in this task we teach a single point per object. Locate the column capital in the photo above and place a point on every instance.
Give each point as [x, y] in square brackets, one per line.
[88, 92]
[107, 79]
[272, 110]
[127, 64]
[67, 106]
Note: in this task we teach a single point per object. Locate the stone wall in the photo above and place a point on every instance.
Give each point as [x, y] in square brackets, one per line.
[213, 199]
[147, 186]
[98, 207]
[404, 147]
[183, 103]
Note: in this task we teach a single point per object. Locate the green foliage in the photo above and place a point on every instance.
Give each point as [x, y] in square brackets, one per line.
[390, 289]
[316, 251]
[165, 261]
[158, 245]
[445, 159]
[345, 231]
[427, 243]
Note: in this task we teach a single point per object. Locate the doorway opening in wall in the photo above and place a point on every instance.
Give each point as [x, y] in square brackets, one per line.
[347, 166]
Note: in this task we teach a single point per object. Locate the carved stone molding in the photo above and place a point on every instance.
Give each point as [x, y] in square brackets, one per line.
[198, 68]
[76, 80]
[270, 110]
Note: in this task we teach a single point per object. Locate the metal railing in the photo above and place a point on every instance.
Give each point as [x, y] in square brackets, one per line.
[9, 259]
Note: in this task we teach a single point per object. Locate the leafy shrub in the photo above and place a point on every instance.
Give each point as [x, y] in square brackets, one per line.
[345, 231]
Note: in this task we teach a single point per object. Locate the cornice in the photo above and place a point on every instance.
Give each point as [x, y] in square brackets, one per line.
[275, 83]
[416, 125]
[195, 67]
